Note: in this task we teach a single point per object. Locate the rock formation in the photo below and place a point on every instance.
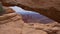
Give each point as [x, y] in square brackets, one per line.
[12, 23]
[49, 8]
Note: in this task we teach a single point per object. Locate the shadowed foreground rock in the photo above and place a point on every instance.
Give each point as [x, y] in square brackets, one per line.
[49, 8]
[1, 9]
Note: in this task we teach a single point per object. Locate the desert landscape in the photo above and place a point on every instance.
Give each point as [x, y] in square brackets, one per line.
[29, 16]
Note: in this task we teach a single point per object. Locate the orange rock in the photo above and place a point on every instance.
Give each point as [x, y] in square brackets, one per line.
[49, 8]
[8, 10]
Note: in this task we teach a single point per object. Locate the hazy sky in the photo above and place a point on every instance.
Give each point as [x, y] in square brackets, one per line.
[18, 9]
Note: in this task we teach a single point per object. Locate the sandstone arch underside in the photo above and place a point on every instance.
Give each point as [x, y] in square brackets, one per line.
[49, 8]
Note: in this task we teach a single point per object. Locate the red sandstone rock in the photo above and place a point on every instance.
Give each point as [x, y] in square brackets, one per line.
[12, 23]
[8, 10]
[49, 8]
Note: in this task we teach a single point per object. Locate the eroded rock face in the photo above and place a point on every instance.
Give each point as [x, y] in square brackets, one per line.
[49, 8]
[15, 25]
[12, 23]
[34, 3]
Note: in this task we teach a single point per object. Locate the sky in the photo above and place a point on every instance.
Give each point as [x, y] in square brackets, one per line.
[20, 10]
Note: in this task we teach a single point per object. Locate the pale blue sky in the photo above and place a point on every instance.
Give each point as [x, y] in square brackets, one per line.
[18, 9]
